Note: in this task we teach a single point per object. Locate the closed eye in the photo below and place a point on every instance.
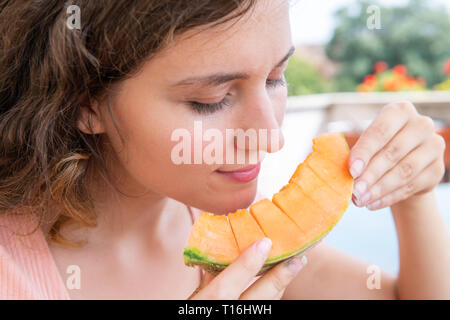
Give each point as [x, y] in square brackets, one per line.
[208, 108]
[276, 83]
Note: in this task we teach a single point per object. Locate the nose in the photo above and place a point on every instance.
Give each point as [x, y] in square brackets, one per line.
[259, 120]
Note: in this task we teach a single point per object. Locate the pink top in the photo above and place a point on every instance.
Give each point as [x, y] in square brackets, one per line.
[27, 267]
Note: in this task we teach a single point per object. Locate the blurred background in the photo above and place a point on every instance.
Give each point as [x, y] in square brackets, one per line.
[353, 57]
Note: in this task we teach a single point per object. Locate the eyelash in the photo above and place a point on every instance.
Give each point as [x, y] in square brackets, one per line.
[213, 107]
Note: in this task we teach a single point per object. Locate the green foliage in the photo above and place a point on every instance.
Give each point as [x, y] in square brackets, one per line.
[443, 86]
[303, 78]
[416, 35]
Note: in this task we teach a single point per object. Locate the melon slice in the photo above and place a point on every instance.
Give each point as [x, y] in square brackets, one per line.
[286, 237]
[319, 191]
[309, 217]
[334, 174]
[211, 243]
[332, 148]
[298, 216]
[245, 228]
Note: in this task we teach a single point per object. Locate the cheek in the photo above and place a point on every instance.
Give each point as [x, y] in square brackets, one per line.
[146, 158]
[146, 153]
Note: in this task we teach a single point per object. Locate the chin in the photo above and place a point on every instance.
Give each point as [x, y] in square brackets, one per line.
[228, 202]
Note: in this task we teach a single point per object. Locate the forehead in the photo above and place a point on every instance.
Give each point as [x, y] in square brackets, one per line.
[258, 40]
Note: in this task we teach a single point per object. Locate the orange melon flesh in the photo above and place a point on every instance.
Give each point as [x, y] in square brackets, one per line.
[285, 235]
[324, 197]
[211, 242]
[245, 229]
[333, 146]
[309, 217]
[298, 216]
[334, 174]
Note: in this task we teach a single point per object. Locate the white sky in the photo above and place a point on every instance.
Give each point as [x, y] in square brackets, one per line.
[312, 21]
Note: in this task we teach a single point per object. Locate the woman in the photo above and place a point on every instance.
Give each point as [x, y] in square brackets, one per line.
[95, 208]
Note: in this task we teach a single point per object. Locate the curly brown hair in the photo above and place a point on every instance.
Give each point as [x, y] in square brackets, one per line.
[49, 71]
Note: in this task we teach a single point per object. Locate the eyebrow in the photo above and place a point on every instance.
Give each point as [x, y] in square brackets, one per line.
[221, 78]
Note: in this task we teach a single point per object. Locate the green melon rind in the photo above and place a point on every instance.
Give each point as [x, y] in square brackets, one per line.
[194, 257]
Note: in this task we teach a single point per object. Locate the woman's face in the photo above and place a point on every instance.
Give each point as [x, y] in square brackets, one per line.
[248, 60]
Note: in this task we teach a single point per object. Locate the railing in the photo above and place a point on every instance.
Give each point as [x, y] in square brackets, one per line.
[352, 112]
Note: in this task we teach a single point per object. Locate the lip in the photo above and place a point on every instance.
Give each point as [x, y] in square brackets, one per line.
[242, 175]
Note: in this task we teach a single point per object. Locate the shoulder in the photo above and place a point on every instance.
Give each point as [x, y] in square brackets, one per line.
[333, 274]
[26, 261]
[20, 231]
[14, 284]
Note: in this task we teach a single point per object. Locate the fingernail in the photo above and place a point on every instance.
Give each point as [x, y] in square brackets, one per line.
[263, 246]
[295, 264]
[374, 205]
[365, 199]
[356, 168]
[359, 190]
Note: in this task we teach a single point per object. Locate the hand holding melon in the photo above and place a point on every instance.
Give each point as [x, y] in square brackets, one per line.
[298, 216]
[233, 282]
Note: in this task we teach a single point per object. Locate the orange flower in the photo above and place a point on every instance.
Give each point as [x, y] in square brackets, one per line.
[391, 84]
[364, 88]
[400, 70]
[396, 79]
[446, 68]
[411, 81]
[380, 67]
[370, 80]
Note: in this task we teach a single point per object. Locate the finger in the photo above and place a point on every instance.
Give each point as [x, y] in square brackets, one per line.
[405, 171]
[425, 182]
[409, 138]
[207, 278]
[391, 120]
[274, 282]
[354, 200]
[230, 283]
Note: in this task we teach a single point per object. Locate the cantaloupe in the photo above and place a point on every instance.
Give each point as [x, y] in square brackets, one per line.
[297, 217]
